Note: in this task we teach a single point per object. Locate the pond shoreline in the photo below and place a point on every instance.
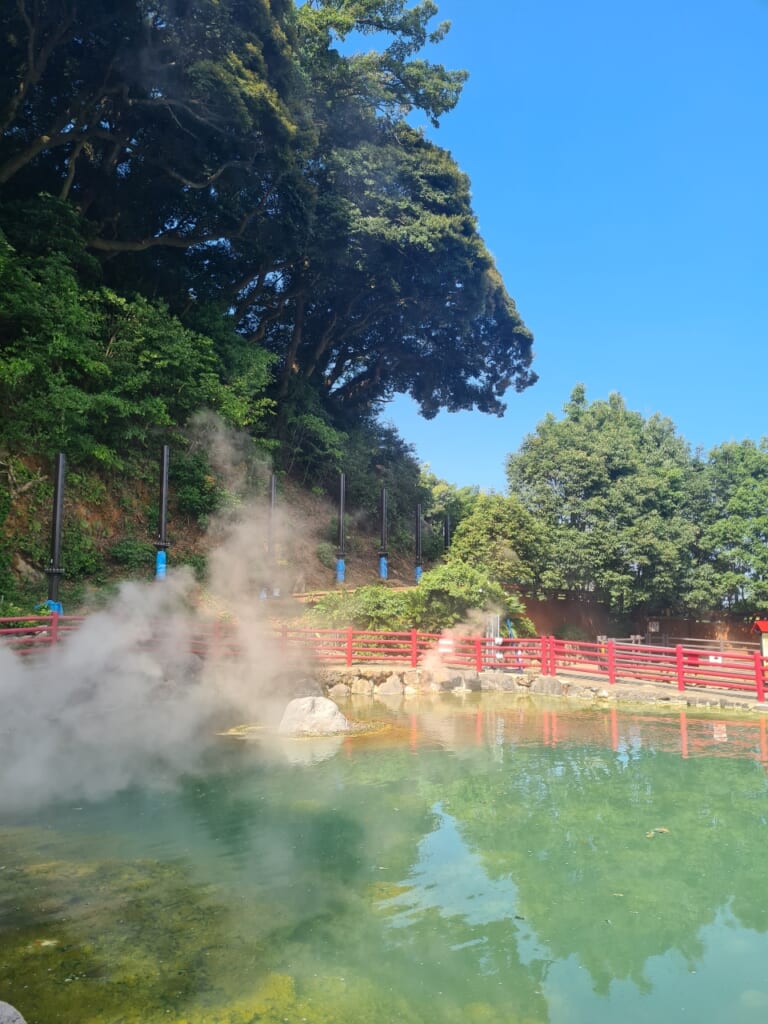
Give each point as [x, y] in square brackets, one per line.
[381, 680]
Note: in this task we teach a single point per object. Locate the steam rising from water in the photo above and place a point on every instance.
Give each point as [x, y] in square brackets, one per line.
[124, 700]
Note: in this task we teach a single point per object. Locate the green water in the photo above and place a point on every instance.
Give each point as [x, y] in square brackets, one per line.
[476, 862]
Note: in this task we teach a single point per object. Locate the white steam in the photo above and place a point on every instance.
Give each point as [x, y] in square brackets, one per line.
[131, 697]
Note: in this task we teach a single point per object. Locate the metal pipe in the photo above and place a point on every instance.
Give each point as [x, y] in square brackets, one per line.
[273, 587]
[418, 568]
[383, 561]
[272, 504]
[340, 564]
[54, 570]
[161, 544]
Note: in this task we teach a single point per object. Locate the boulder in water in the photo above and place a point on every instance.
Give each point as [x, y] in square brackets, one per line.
[10, 1015]
[312, 716]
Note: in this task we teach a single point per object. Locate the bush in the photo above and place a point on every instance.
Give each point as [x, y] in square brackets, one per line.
[445, 596]
[132, 554]
[326, 554]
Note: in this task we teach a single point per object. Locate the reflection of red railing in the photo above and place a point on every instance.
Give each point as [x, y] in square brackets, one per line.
[608, 662]
[626, 733]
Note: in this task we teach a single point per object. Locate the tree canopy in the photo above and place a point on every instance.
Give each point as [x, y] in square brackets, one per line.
[632, 518]
[244, 157]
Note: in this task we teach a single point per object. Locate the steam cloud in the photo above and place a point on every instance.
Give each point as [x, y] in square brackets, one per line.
[125, 699]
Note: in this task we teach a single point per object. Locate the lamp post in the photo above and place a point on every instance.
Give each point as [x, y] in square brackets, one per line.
[54, 571]
[340, 564]
[418, 568]
[161, 544]
[383, 563]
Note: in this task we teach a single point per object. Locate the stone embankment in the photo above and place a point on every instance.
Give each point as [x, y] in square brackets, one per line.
[343, 682]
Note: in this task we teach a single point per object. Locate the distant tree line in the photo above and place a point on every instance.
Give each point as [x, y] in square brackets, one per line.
[612, 507]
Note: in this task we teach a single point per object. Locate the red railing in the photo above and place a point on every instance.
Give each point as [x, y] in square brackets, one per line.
[608, 662]
[33, 632]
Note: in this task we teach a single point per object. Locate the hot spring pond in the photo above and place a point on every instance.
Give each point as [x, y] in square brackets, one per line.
[476, 862]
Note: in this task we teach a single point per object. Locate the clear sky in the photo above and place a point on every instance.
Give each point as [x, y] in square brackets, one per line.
[618, 154]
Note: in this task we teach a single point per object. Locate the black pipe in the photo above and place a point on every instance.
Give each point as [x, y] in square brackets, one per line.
[384, 530]
[54, 570]
[272, 504]
[340, 565]
[418, 543]
[161, 544]
[271, 588]
[383, 564]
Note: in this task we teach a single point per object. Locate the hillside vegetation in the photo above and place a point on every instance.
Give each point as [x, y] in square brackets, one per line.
[220, 220]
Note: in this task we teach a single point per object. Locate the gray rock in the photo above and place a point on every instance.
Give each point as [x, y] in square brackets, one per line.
[444, 678]
[392, 685]
[413, 679]
[495, 680]
[547, 685]
[340, 691]
[312, 716]
[10, 1015]
[362, 686]
[471, 679]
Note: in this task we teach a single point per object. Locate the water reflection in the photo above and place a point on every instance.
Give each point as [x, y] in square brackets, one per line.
[481, 861]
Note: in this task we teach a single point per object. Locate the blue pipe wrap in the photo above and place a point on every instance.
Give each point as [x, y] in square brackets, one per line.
[417, 573]
[54, 606]
[160, 563]
[383, 567]
[340, 570]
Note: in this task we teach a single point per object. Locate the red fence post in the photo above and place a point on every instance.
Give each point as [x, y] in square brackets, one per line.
[544, 656]
[348, 652]
[478, 654]
[611, 662]
[54, 627]
[552, 671]
[759, 677]
[680, 665]
[414, 648]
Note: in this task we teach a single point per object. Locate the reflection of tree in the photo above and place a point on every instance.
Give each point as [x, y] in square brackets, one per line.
[569, 826]
[445, 883]
[463, 930]
[333, 849]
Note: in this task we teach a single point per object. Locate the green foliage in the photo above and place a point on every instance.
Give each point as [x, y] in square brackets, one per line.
[326, 554]
[95, 374]
[448, 500]
[198, 494]
[132, 554]
[447, 594]
[7, 583]
[612, 492]
[503, 538]
[373, 607]
[444, 597]
[732, 569]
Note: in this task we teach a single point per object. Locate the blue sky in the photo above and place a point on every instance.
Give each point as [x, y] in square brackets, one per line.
[618, 154]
